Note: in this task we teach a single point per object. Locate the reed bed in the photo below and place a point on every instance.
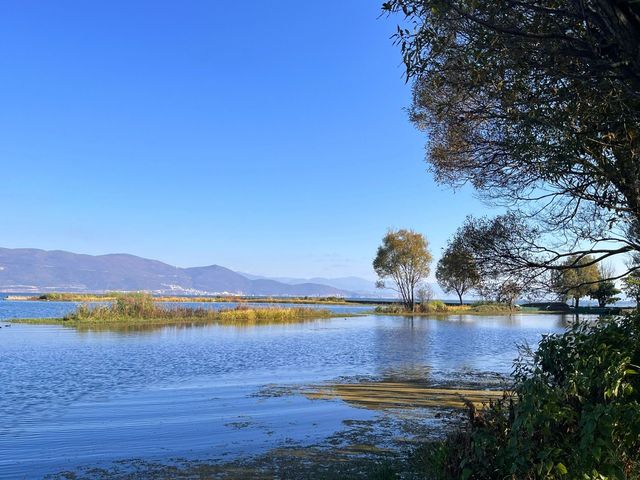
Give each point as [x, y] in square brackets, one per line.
[437, 307]
[141, 308]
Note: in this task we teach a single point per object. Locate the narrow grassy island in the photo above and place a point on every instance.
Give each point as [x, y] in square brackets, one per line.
[111, 296]
[437, 307]
[142, 309]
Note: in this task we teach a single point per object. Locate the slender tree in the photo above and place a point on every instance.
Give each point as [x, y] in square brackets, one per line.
[404, 258]
[457, 270]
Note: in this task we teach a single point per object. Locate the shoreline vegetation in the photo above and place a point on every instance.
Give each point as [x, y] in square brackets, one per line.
[573, 412]
[438, 307]
[431, 307]
[142, 309]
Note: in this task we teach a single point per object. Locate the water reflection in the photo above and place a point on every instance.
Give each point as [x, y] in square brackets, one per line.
[456, 345]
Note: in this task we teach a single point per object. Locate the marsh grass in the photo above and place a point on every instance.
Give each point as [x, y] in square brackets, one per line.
[141, 309]
[438, 307]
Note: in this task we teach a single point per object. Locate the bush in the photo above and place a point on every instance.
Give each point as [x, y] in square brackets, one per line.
[574, 413]
[437, 306]
[492, 307]
[432, 306]
[394, 308]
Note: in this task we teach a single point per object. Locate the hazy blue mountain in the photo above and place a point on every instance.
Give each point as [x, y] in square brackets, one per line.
[33, 270]
[357, 285]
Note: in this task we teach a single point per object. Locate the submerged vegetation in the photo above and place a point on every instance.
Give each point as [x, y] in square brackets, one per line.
[380, 395]
[574, 412]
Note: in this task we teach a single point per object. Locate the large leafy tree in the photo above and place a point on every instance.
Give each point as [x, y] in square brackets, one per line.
[404, 258]
[536, 103]
[457, 271]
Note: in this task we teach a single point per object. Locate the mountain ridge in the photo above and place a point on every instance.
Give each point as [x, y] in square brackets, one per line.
[37, 270]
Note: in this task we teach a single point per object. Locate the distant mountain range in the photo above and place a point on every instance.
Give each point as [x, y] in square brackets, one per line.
[356, 285]
[33, 270]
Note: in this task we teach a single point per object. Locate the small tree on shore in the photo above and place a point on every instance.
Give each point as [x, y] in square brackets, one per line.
[631, 286]
[457, 270]
[605, 291]
[578, 281]
[404, 258]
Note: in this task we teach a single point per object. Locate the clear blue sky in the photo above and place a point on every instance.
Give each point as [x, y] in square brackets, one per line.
[268, 137]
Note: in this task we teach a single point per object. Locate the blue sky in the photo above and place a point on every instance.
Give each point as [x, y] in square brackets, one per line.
[268, 137]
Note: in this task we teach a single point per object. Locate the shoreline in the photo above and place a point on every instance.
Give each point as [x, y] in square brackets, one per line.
[453, 308]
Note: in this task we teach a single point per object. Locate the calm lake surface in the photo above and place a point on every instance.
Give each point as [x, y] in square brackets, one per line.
[71, 399]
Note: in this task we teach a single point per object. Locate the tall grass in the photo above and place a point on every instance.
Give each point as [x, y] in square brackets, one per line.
[141, 307]
[439, 307]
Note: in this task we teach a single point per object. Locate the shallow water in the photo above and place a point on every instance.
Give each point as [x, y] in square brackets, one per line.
[71, 398]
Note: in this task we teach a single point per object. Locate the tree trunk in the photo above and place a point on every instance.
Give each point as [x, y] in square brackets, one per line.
[576, 301]
[460, 297]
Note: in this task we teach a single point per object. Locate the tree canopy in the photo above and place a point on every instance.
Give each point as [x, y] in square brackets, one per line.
[403, 257]
[537, 105]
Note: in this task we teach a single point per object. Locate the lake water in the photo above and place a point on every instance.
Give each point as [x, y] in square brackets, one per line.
[71, 399]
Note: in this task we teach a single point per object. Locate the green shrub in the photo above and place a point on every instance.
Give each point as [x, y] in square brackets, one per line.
[437, 306]
[394, 308]
[432, 306]
[574, 413]
[492, 307]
